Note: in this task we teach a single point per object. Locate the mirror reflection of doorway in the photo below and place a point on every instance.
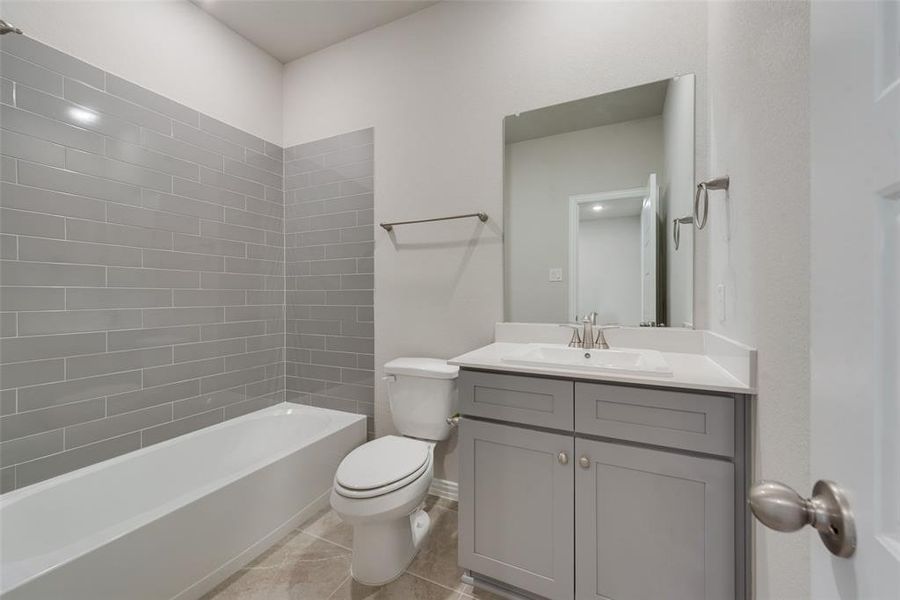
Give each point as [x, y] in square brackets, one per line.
[613, 255]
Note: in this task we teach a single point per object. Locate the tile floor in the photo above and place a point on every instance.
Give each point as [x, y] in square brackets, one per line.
[313, 563]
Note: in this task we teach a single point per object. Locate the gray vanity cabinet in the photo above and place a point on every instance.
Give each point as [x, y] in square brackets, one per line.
[597, 491]
[515, 509]
[652, 524]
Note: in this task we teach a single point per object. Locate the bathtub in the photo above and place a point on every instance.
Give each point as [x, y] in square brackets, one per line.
[173, 520]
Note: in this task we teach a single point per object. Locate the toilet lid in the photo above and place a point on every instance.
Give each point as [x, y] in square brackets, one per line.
[381, 462]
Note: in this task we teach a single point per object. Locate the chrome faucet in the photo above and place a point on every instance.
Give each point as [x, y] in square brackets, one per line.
[587, 332]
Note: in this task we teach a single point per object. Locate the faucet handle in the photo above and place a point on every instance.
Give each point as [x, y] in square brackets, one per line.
[575, 342]
[600, 341]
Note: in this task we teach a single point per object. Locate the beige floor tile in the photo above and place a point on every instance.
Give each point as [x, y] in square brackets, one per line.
[328, 526]
[313, 563]
[246, 584]
[437, 559]
[313, 569]
[406, 587]
[432, 501]
[300, 567]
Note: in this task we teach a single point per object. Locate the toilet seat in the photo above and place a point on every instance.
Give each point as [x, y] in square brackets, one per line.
[382, 466]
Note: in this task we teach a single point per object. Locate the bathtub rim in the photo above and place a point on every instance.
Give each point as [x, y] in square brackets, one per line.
[118, 530]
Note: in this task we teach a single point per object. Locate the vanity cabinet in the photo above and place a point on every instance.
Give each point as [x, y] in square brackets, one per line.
[516, 501]
[596, 491]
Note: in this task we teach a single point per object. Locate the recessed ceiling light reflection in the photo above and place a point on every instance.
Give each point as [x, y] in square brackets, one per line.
[597, 207]
[82, 116]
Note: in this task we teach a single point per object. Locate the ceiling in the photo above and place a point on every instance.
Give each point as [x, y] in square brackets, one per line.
[289, 29]
[638, 102]
[611, 209]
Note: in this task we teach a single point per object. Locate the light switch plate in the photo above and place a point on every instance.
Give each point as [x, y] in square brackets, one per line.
[555, 274]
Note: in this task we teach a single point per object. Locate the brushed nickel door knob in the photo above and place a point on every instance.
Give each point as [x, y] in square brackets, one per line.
[779, 507]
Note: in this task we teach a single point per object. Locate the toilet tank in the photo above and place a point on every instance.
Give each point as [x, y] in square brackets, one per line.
[422, 394]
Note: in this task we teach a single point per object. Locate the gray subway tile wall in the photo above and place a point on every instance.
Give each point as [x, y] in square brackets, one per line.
[329, 273]
[142, 268]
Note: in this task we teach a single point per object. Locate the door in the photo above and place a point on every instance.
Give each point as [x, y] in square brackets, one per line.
[649, 242]
[516, 515]
[652, 524]
[855, 287]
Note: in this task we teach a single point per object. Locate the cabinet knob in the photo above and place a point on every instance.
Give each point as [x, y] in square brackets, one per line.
[584, 462]
[563, 458]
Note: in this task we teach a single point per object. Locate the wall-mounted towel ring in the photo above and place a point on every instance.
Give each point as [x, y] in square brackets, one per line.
[719, 183]
[676, 228]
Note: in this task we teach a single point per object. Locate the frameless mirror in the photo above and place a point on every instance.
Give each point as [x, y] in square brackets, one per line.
[598, 197]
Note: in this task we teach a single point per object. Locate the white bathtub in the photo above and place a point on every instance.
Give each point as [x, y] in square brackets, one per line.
[175, 519]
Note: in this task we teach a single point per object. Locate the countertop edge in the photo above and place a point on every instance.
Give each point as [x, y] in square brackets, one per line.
[465, 361]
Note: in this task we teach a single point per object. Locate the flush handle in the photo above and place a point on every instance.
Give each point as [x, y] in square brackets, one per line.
[779, 507]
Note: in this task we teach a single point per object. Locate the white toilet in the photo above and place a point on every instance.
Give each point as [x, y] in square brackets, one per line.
[379, 488]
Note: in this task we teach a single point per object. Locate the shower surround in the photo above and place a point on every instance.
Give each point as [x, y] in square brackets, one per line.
[329, 264]
[143, 270]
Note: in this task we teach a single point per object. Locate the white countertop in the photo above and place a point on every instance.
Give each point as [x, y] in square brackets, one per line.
[691, 369]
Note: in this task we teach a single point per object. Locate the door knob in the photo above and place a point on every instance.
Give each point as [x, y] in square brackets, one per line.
[779, 507]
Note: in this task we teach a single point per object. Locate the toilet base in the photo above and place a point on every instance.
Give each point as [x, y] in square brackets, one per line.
[383, 550]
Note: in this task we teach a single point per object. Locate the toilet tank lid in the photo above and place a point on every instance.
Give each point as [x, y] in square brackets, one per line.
[434, 368]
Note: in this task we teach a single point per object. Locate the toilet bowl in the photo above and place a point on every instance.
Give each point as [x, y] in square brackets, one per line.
[380, 487]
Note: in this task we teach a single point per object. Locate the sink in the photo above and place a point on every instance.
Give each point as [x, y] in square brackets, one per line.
[630, 360]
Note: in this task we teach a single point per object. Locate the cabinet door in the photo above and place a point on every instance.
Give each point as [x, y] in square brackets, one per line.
[652, 525]
[516, 507]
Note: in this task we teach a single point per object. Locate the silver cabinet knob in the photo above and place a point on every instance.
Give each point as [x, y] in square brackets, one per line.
[584, 462]
[779, 507]
[563, 458]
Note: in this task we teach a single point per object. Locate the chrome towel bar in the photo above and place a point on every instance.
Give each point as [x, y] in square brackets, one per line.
[390, 226]
[718, 183]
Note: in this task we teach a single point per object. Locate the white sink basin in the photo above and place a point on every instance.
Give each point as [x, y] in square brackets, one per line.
[644, 362]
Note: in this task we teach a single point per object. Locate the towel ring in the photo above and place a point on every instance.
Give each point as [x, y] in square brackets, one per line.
[676, 228]
[719, 183]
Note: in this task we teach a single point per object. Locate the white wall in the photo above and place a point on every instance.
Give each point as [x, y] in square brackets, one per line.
[676, 191]
[759, 243]
[541, 174]
[436, 86]
[609, 267]
[170, 47]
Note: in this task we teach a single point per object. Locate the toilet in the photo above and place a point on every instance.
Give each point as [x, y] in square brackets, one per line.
[380, 487]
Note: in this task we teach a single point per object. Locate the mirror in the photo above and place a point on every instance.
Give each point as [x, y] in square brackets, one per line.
[594, 191]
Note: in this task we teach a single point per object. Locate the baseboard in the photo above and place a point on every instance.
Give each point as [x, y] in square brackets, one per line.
[444, 488]
[497, 588]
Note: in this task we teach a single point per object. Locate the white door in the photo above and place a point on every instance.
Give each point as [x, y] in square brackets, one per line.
[855, 287]
[649, 240]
